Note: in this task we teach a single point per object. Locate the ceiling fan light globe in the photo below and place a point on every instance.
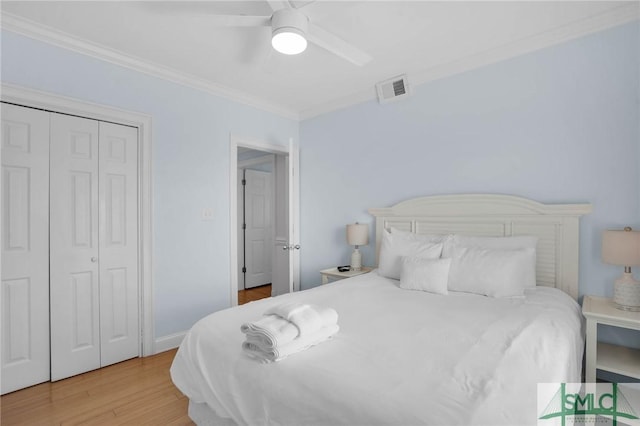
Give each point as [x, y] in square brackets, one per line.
[289, 41]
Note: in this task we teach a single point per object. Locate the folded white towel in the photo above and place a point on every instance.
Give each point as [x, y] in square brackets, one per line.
[255, 350]
[286, 310]
[308, 318]
[271, 330]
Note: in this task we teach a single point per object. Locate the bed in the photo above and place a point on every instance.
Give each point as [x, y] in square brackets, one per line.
[405, 357]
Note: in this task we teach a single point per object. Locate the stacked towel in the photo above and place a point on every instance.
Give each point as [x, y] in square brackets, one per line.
[271, 330]
[307, 318]
[255, 350]
[288, 328]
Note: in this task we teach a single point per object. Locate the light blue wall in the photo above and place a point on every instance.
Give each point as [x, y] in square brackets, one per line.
[559, 125]
[190, 166]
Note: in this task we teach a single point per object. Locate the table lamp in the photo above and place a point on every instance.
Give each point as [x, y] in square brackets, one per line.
[357, 235]
[622, 247]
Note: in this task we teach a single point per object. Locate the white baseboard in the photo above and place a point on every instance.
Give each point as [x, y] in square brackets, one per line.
[171, 341]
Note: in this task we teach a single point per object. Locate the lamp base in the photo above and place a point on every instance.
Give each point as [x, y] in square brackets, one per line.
[626, 293]
[356, 260]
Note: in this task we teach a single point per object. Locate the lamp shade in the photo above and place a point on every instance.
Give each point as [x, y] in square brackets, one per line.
[358, 234]
[621, 247]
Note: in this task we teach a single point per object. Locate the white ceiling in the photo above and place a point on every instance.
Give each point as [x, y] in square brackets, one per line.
[423, 39]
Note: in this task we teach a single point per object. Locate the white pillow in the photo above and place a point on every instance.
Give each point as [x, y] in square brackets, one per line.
[498, 243]
[422, 274]
[494, 273]
[396, 245]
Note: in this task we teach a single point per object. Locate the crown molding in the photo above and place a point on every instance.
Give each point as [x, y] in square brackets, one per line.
[612, 18]
[34, 30]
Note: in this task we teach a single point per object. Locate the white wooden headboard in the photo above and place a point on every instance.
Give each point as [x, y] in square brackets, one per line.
[555, 225]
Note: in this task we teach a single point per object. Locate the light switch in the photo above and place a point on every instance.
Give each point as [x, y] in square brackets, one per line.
[207, 214]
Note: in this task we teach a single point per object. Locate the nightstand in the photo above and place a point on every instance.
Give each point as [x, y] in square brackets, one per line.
[337, 275]
[603, 356]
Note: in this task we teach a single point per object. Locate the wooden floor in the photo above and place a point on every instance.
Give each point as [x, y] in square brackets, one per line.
[255, 293]
[134, 392]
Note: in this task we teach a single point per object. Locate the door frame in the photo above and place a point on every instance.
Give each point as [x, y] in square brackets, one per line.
[27, 97]
[236, 141]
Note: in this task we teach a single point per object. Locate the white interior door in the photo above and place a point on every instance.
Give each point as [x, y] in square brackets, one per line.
[294, 217]
[118, 243]
[75, 297]
[280, 259]
[258, 232]
[240, 231]
[25, 243]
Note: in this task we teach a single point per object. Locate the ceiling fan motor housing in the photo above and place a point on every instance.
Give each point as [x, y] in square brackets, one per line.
[288, 20]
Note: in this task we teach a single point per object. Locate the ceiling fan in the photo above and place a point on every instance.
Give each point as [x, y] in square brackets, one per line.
[291, 29]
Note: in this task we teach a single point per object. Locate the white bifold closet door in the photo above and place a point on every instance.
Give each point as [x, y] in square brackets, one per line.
[118, 236]
[25, 248]
[93, 247]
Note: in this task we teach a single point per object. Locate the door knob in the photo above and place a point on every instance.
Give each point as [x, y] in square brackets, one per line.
[94, 259]
[291, 247]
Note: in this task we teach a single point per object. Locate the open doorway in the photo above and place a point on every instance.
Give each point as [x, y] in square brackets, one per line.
[264, 259]
[256, 216]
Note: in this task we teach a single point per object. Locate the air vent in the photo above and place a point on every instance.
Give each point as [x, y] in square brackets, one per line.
[393, 89]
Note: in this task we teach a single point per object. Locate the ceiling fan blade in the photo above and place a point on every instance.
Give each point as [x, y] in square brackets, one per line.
[336, 45]
[299, 4]
[239, 21]
[279, 4]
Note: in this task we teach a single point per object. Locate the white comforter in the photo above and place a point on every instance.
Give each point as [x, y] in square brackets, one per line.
[401, 357]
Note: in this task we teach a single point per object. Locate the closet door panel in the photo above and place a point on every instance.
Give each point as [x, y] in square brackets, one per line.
[25, 248]
[75, 291]
[118, 243]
